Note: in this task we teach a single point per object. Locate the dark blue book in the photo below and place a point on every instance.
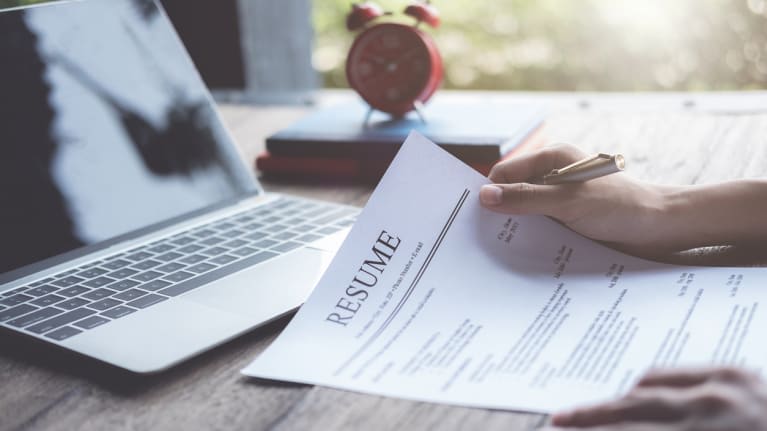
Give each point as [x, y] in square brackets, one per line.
[473, 127]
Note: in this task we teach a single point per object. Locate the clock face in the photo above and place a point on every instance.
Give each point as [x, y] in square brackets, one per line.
[393, 65]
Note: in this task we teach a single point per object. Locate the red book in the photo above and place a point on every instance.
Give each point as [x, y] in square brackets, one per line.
[364, 169]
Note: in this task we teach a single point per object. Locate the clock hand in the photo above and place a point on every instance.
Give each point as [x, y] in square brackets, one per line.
[404, 56]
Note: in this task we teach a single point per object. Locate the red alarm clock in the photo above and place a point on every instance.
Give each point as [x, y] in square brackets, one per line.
[395, 67]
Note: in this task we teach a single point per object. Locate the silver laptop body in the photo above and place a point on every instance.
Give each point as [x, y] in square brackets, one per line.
[131, 231]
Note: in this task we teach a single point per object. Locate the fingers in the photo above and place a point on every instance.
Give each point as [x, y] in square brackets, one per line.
[534, 165]
[642, 406]
[693, 376]
[525, 198]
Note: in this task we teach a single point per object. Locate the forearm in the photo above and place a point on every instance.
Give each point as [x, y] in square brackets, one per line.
[733, 212]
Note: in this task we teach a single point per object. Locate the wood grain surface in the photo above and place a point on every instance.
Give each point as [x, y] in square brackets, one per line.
[42, 388]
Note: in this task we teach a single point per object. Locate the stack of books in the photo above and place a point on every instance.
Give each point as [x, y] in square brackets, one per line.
[339, 142]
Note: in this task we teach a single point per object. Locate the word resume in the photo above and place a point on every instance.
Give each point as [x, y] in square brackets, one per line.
[434, 298]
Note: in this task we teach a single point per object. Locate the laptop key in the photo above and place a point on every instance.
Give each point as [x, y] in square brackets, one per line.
[234, 233]
[99, 281]
[244, 251]
[284, 236]
[167, 257]
[214, 251]
[178, 276]
[170, 267]
[73, 303]
[104, 304]
[223, 259]
[201, 267]
[155, 285]
[142, 255]
[91, 322]
[266, 243]
[328, 230]
[204, 233]
[15, 312]
[255, 236]
[222, 226]
[183, 240]
[123, 284]
[63, 333]
[123, 273]
[118, 312]
[304, 228]
[47, 300]
[147, 301]
[147, 264]
[193, 259]
[212, 240]
[16, 299]
[42, 290]
[61, 320]
[130, 295]
[161, 248]
[67, 281]
[147, 276]
[34, 317]
[309, 237]
[186, 286]
[237, 243]
[73, 291]
[191, 248]
[98, 294]
[15, 291]
[275, 228]
[93, 272]
[116, 264]
[287, 246]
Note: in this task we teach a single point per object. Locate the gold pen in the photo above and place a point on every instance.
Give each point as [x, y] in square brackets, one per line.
[589, 168]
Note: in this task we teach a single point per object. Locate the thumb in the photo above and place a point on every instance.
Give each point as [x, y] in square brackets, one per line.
[524, 198]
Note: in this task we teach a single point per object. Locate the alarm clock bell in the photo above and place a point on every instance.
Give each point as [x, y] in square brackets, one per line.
[394, 67]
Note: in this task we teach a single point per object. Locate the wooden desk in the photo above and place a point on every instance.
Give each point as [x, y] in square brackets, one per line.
[667, 139]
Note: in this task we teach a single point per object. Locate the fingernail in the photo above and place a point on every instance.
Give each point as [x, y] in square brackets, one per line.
[490, 195]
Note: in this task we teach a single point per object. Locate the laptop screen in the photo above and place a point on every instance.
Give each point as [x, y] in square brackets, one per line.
[105, 128]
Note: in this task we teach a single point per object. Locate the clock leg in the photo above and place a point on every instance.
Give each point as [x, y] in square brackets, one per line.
[366, 121]
[419, 109]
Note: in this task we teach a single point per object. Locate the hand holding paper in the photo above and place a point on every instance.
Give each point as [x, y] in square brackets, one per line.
[433, 297]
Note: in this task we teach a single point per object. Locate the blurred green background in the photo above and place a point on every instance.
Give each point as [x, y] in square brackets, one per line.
[609, 45]
[605, 45]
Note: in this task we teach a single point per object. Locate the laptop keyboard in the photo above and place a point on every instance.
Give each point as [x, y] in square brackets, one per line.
[97, 293]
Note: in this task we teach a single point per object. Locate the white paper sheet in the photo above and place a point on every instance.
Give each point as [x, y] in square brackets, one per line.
[471, 307]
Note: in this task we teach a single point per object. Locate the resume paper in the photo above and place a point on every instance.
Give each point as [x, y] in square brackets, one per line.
[434, 298]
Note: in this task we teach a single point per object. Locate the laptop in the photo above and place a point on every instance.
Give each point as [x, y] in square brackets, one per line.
[131, 230]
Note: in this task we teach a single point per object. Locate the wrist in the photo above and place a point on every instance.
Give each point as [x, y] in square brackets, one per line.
[681, 229]
[717, 214]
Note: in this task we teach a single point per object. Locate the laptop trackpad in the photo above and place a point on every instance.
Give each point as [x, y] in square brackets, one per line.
[269, 289]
